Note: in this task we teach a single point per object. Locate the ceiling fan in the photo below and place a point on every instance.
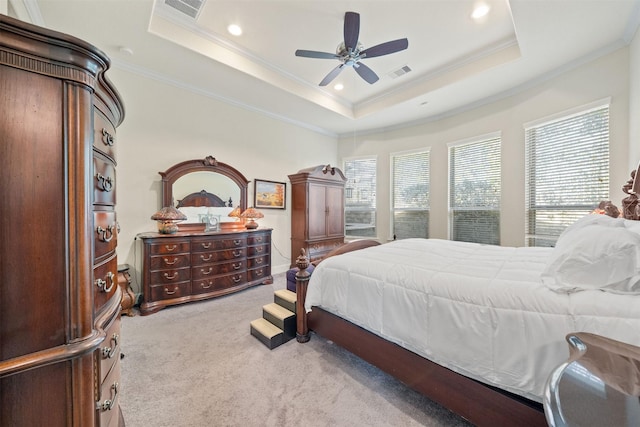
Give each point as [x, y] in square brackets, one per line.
[350, 52]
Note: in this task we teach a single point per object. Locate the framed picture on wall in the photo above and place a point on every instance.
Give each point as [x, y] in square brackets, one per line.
[269, 194]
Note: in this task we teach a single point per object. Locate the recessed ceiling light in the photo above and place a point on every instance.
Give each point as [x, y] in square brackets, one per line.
[339, 86]
[234, 30]
[480, 11]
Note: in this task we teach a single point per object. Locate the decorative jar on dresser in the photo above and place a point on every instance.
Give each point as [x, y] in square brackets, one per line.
[185, 267]
[59, 298]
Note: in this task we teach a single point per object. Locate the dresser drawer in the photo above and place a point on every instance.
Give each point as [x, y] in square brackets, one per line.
[104, 135]
[170, 247]
[204, 244]
[109, 352]
[104, 181]
[259, 273]
[258, 250]
[108, 404]
[170, 291]
[258, 261]
[206, 258]
[105, 232]
[206, 271]
[105, 281]
[173, 275]
[218, 283]
[168, 261]
[257, 239]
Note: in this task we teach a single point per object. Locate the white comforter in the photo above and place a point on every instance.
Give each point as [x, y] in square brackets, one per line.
[479, 310]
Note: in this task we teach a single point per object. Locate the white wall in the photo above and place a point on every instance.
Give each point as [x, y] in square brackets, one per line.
[634, 102]
[602, 78]
[165, 125]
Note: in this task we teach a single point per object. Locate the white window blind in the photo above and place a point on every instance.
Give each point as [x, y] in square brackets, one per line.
[360, 197]
[567, 172]
[410, 194]
[474, 191]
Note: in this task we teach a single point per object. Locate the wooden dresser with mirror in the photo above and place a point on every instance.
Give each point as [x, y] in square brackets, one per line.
[59, 298]
[195, 265]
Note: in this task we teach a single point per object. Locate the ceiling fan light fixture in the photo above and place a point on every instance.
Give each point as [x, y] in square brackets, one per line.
[338, 86]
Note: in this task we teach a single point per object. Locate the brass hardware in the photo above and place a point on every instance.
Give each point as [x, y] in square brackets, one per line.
[166, 261]
[206, 245]
[106, 182]
[236, 279]
[102, 284]
[259, 249]
[173, 276]
[109, 403]
[109, 352]
[237, 242]
[259, 260]
[107, 138]
[208, 285]
[168, 292]
[170, 248]
[237, 253]
[206, 259]
[206, 272]
[105, 235]
[259, 272]
[237, 266]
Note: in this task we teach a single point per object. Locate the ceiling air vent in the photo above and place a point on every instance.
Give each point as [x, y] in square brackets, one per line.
[188, 7]
[399, 72]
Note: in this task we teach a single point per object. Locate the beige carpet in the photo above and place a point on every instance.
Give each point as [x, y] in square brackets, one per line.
[197, 365]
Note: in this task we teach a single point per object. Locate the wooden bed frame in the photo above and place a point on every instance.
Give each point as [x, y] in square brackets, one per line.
[481, 404]
[203, 198]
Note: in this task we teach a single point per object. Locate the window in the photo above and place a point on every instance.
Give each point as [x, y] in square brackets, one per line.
[567, 171]
[474, 190]
[410, 194]
[360, 197]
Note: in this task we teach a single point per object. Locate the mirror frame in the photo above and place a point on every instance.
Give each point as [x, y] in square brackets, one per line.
[209, 164]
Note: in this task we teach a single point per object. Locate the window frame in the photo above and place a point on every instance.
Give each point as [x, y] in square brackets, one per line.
[373, 157]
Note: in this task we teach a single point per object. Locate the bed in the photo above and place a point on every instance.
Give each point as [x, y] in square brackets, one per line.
[201, 207]
[477, 328]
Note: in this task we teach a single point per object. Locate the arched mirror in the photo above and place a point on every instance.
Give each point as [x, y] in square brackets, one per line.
[204, 182]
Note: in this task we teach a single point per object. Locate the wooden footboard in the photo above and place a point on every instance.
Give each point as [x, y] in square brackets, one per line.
[480, 404]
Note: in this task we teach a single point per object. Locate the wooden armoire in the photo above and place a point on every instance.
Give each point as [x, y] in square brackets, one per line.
[317, 215]
[59, 297]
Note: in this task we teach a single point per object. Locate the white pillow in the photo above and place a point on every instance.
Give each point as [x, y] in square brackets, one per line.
[589, 220]
[595, 256]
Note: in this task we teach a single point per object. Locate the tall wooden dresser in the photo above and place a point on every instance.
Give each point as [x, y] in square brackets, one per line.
[317, 217]
[59, 298]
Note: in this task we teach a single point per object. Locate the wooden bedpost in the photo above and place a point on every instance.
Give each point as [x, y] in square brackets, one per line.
[302, 280]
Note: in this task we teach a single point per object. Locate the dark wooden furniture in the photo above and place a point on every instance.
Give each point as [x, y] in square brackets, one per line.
[128, 296]
[59, 299]
[185, 267]
[317, 211]
[598, 385]
[479, 403]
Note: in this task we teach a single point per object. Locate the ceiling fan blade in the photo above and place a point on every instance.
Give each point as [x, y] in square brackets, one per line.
[366, 73]
[385, 48]
[332, 75]
[351, 30]
[314, 54]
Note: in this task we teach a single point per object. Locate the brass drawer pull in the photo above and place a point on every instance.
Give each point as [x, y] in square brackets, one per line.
[237, 253]
[105, 234]
[259, 273]
[258, 239]
[259, 260]
[109, 352]
[236, 279]
[206, 245]
[237, 242]
[208, 258]
[259, 249]
[208, 285]
[107, 138]
[102, 284]
[174, 274]
[109, 403]
[207, 271]
[168, 292]
[166, 261]
[237, 266]
[170, 248]
[105, 182]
